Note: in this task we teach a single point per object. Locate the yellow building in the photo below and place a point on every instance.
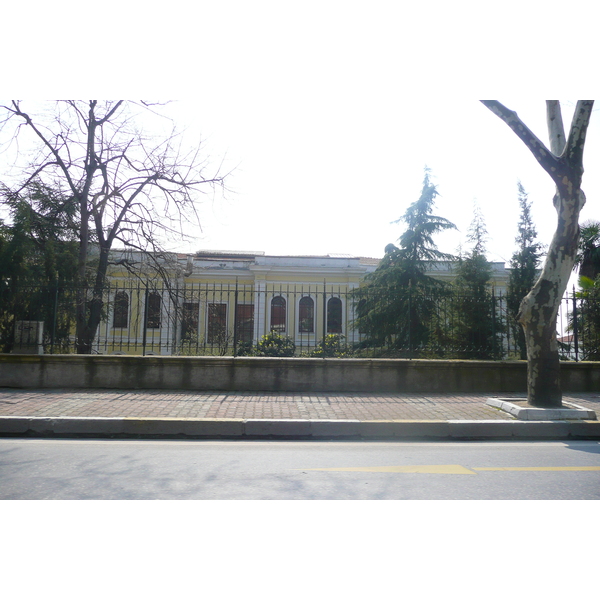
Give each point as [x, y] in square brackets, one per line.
[216, 302]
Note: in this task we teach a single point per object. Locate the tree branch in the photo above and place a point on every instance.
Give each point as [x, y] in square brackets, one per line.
[576, 140]
[549, 162]
[556, 130]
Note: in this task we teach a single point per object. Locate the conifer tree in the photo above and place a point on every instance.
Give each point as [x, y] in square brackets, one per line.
[524, 269]
[38, 256]
[395, 304]
[477, 323]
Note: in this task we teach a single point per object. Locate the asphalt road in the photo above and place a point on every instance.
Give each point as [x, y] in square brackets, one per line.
[302, 470]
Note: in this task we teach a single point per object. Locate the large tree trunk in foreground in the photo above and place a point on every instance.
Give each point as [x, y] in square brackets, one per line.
[539, 309]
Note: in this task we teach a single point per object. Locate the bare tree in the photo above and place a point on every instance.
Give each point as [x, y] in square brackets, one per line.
[131, 189]
[539, 309]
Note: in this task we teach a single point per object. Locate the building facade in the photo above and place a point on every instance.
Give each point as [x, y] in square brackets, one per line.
[220, 302]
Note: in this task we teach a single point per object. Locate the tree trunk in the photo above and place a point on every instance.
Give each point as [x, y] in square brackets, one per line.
[539, 309]
[89, 313]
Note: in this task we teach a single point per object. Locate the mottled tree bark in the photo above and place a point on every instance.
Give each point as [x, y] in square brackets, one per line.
[539, 309]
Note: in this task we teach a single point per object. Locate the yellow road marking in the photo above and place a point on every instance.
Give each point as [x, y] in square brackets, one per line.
[536, 468]
[446, 469]
[438, 469]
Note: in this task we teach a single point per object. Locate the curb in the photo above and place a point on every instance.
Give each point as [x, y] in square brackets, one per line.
[115, 427]
[569, 411]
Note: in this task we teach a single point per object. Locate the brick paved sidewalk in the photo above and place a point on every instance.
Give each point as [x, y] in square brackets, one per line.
[257, 405]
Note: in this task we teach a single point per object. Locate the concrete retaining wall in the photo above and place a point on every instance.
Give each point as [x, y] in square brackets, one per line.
[280, 374]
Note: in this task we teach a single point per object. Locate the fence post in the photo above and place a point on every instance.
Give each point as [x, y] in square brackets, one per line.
[575, 326]
[235, 319]
[410, 318]
[493, 323]
[324, 314]
[145, 321]
[54, 317]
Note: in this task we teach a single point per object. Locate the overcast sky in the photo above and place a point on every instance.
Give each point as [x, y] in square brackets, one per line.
[330, 176]
[328, 112]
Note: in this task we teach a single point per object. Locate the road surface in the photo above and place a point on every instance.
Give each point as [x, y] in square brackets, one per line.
[302, 470]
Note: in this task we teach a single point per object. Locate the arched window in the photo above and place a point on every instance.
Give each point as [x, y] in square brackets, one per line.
[153, 320]
[121, 309]
[278, 314]
[306, 315]
[334, 315]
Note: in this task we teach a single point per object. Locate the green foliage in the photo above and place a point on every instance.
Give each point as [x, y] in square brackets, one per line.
[245, 349]
[588, 255]
[40, 245]
[587, 318]
[332, 346]
[416, 243]
[385, 311]
[275, 344]
[38, 262]
[524, 267]
[477, 324]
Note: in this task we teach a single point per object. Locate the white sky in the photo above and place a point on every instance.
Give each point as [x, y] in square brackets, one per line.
[329, 112]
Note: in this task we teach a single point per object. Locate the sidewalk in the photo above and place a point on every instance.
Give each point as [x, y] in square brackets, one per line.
[134, 413]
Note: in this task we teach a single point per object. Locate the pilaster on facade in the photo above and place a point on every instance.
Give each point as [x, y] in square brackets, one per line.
[260, 309]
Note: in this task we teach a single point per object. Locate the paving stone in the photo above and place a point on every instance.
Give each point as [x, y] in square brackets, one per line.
[305, 413]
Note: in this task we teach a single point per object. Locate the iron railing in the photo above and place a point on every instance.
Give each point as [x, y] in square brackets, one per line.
[316, 320]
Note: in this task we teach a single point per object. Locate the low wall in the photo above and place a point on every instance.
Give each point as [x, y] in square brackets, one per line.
[280, 374]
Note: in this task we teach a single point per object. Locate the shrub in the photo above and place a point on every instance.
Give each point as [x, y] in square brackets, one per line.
[245, 349]
[275, 344]
[331, 346]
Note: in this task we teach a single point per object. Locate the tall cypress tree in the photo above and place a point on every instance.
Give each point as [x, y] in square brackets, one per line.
[523, 268]
[478, 326]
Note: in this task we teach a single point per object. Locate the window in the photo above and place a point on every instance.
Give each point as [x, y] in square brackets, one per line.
[153, 320]
[306, 315]
[278, 314]
[244, 322]
[121, 311]
[189, 320]
[217, 323]
[334, 315]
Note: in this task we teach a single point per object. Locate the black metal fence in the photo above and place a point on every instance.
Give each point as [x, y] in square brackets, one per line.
[324, 320]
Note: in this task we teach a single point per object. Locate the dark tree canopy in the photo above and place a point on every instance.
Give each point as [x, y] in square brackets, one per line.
[588, 256]
[39, 245]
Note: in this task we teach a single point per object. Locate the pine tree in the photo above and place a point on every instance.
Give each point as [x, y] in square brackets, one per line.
[524, 268]
[38, 255]
[395, 305]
